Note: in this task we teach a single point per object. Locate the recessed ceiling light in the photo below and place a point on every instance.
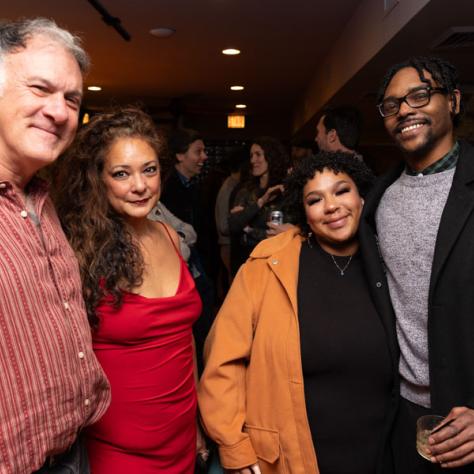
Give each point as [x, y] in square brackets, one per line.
[236, 88]
[162, 32]
[231, 51]
[94, 88]
[240, 106]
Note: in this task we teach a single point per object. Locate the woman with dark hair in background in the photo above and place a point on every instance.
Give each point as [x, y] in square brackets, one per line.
[253, 203]
[300, 361]
[140, 298]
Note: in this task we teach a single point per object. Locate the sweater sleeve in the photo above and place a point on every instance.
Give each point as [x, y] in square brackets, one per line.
[238, 220]
[222, 389]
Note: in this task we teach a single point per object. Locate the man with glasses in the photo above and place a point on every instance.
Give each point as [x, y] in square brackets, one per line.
[422, 215]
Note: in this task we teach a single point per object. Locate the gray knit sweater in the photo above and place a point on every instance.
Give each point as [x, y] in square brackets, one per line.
[407, 222]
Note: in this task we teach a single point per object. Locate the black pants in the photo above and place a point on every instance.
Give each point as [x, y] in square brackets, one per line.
[73, 461]
[406, 458]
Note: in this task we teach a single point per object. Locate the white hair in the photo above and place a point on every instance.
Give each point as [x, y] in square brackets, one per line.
[15, 35]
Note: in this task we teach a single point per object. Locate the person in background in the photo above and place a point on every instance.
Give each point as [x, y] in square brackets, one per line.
[140, 297]
[236, 159]
[260, 195]
[422, 215]
[301, 148]
[51, 384]
[300, 361]
[182, 193]
[339, 129]
[185, 197]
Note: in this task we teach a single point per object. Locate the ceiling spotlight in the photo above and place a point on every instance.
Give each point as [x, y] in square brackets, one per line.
[94, 88]
[162, 32]
[240, 106]
[236, 88]
[231, 51]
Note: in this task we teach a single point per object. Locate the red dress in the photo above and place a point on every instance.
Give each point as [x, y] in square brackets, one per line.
[146, 351]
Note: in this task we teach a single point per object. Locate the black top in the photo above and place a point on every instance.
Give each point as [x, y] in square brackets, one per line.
[346, 362]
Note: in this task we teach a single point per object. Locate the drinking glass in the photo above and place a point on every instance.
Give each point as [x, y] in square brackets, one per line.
[424, 426]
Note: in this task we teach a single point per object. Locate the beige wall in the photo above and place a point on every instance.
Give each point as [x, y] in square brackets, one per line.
[366, 33]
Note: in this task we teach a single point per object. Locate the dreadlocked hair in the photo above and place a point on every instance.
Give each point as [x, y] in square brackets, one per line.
[109, 258]
[305, 170]
[442, 72]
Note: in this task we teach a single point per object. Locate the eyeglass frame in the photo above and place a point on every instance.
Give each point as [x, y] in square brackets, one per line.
[429, 89]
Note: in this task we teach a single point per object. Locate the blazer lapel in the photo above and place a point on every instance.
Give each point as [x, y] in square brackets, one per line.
[285, 266]
[373, 260]
[373, 199]
[459, 206]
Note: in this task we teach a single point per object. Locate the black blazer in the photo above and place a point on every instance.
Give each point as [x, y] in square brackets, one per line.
[191, 205]
[451, 293]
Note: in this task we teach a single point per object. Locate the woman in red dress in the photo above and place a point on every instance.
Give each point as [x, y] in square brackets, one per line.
[140, 297]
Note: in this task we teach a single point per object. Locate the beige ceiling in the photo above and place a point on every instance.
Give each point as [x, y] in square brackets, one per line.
[281, 42]
[284, 43]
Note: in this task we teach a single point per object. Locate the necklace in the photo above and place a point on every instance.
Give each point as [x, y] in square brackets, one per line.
[341, 270]
[345, 267]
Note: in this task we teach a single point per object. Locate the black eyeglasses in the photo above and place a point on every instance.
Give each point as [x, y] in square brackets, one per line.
[415, 99]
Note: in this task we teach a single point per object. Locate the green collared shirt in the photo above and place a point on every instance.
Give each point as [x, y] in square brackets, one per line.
[445, 163]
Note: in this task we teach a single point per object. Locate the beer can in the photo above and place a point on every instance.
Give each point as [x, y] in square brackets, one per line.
[276, 217]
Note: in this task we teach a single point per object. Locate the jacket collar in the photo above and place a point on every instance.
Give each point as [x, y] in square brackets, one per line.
[282, 254]
[373, 199]
[463, 175]
[459, 206]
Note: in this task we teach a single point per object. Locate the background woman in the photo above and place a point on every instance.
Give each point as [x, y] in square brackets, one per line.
[140, 297]
[251, 207]
[298, 376]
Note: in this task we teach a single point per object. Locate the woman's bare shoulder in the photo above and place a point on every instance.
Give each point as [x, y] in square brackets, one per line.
[165, 231]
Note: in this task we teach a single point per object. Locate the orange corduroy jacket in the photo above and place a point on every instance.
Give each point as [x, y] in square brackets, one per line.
[251, 394]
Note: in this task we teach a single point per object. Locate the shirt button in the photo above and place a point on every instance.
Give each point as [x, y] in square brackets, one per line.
[24, 214]
[87, 402]
[275, 262]
[66, 305]
[81, 355]
[378, 285]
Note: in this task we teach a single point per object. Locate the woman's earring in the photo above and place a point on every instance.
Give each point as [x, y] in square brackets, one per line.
[310, 234]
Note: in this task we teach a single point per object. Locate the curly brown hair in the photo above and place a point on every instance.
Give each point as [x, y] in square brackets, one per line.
[277, 158]
[305, 170]
[109, 258]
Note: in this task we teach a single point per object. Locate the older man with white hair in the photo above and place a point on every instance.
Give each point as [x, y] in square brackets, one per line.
[51, 384]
